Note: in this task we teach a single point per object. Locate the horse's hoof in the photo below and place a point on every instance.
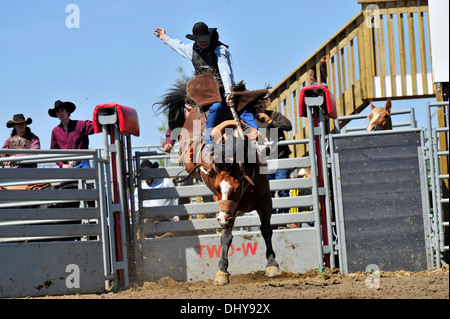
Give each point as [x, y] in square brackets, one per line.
[273, 271]
[221, 279]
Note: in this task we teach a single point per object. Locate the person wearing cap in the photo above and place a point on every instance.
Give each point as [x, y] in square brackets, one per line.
[154, 183]
[207, 53]
[70, 134]
[21, 138]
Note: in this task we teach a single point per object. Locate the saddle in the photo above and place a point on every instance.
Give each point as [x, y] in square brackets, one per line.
[192, 139]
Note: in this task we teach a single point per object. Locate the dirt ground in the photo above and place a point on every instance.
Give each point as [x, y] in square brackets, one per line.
[331, 284]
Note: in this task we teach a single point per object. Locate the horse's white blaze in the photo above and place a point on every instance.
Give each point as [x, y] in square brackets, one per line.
[375, 116]
[222, 218]
[224, 189]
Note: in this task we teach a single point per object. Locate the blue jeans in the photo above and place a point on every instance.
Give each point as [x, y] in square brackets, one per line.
[215, 116]
[281, 174]
[83, 164]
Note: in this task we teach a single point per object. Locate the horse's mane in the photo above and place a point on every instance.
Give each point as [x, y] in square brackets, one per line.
[172, 104]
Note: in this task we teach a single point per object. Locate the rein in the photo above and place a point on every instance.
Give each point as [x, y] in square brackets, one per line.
[190, 173]
[243, 178]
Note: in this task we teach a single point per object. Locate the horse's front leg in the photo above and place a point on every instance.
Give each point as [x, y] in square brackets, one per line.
[272, 267]
[222, 276]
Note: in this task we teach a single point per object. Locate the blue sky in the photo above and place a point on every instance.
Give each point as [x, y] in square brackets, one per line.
[113, 57]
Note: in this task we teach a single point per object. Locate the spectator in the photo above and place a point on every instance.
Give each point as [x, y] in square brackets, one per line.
[21, 138]
[152, 183]
[274, 120]
[70, 134]
[323, 72]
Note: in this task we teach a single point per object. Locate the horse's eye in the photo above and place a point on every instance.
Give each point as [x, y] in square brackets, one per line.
[386, 116]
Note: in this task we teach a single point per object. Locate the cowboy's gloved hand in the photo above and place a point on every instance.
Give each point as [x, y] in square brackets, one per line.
[230, 101]
[263, 117]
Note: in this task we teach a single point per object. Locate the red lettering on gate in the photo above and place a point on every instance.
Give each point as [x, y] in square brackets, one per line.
[214, 250]
[250, 247]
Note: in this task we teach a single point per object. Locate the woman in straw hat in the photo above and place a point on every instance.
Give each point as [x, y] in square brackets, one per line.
[21, 138]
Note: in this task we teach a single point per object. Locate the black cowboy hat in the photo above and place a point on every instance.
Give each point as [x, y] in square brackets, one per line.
[147, 164]
[69, 106]
[201, 32]
[17, 119]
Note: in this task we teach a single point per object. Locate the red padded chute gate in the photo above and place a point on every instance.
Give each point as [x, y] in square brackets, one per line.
[317, 90]
[127, 118]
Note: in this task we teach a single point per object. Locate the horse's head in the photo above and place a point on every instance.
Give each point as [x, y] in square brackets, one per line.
[231, 164]
[228, 186]
[380, 118]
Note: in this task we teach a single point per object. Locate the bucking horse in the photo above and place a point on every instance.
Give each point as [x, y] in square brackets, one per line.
[233, 171]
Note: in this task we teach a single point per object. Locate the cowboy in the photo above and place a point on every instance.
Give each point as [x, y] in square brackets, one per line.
[70, 134]
[21, 138]
[207, 54]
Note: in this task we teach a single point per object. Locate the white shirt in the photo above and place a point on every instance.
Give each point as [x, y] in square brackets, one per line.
[157, 183]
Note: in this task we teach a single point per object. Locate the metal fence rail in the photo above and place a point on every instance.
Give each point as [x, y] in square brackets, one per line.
[195, 210]
[438, 153]
[411, 122]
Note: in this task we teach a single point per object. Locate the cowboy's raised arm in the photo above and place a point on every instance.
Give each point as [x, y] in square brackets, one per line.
[186, 50]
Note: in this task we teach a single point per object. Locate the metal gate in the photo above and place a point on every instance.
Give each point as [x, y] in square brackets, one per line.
[380, 187]
[67, 231]
[438, 156]
[53, 240]
[388, 198]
